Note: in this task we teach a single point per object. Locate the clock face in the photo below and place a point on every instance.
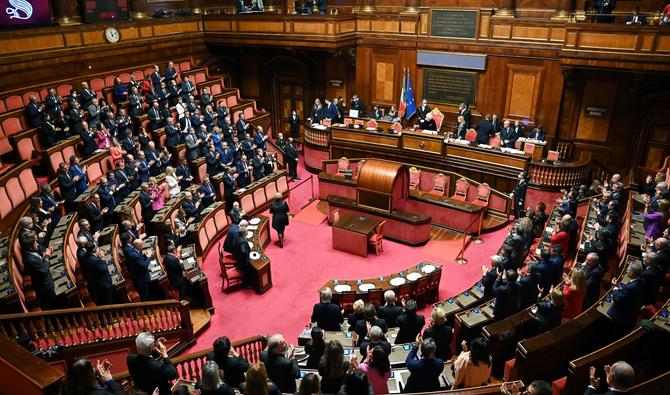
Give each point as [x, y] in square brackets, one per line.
[112, 35]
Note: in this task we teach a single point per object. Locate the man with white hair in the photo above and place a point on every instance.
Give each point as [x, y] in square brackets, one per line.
[147, 371]
[375, 338]
[627, 299]
[389, 312]
[282, 368]
[620, 377]
[327, 315]
[489, 276]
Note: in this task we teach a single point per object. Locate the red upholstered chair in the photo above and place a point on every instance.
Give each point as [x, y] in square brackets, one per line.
[372, 124]
[471, 135]
[529, 148]
[64, 91]
[359, 166]
[109, 81]
[461, 189]
[494, 141]
[376, 297]
[282, 185]
[3, 107]
[438, 117]
[439, 183]
[12, 126]
[342, 166]
[405, 291]
[422, 290]
[232, 277]
[26, 97]
[415, 178]
[347, 300]
[517, 145]
[98, 84]
[434, 285]
[377, 238]
[184, 66]
[14, 102]
[483, 194]
[125, 78]
[334, 216]
[552, 155]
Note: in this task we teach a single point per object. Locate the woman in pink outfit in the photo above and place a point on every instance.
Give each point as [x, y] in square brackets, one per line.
[377, 367]
[157, 192]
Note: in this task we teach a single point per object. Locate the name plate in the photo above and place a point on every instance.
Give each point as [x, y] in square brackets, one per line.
[454, 23]
[450, 86]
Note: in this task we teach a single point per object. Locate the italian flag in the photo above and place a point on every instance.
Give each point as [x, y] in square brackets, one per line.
[402, 107]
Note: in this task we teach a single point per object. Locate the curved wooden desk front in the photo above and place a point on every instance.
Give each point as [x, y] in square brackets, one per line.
[406, 287]
[259, 239]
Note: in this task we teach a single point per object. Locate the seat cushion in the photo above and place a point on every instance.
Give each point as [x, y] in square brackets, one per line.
[234, 274]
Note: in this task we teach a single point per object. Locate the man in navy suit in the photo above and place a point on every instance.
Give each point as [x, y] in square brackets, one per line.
[175, 271]
[97, 277]
[594, 277]
[49, 202]
[508, 135]
[227, 154]
[37, 266]
[425, 372]
[627, 299]
[79, 175]
[184, 174]
[258, 164]
[213, 161]
[506, 291]
[259, 138]
[243, 169]
[190, 207]
[537, 133]
[138, 265]
[331, 110]
[34, 112]
[229, 187]
[66, 182]
[528, 287]
[208, 192]
[489, 277]
[484, 130]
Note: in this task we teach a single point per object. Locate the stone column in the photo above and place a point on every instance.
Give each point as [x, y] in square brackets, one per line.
[564, 9]
[138, 9]
[506, 9]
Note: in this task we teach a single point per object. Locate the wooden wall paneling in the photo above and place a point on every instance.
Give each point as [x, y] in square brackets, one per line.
[600, 94]
[524, 90]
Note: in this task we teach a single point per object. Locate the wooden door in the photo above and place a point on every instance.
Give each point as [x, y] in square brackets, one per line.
[289, 95]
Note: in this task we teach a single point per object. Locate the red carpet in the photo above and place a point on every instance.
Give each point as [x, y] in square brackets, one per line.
[446, 249]
[306, 262]
[311, 215]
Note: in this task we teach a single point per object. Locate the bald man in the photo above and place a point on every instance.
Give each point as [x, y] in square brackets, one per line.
[620, 377]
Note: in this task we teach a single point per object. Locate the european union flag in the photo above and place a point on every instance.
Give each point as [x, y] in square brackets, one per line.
[409, 100]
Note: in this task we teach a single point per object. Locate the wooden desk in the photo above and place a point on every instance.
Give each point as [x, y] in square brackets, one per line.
[351, 233]
[260, 238]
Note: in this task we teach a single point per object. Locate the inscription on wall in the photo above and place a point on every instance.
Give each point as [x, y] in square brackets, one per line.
[454, 23]
[450, 86]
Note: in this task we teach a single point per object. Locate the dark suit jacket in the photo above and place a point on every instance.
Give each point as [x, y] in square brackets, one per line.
[366, 344]
[442, 335]
[67, 187]
[627, 302]
[653, 279]
[98, 276]
[361, 327]
[528, 291]
[95, 216]
[410, 326]
[138, 265]
[259, 169]
[190, 209]
[594, 277]
[507, 297]
[484, 131]
[327, 316]
[281, 370]
[42, 281]
[591, 391]
[424, 373]
[234, 367]
[510, 135]
[175, 271]
[488, 280]
[389, 314]
[148, 373]
[147, 210]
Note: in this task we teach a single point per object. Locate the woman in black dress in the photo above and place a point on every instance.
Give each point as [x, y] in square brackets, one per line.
[279, 211]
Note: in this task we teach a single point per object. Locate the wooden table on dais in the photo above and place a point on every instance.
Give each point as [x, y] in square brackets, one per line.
[351, 233]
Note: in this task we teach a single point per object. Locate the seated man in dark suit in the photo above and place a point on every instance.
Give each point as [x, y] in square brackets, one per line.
[390, 311]
[425, 372]
[627, 299]
[237, 214]
[375, 337]
[506, 291]
[508, 135]
[327, 315]
[636, 18]
[281, 367]
[149, 372]
[97, 277]
[175, 271]
[537, 133]
[620, 377]
[410, 323]
[484, 130]
[37, 266]
[428, 123]
[229, 360]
